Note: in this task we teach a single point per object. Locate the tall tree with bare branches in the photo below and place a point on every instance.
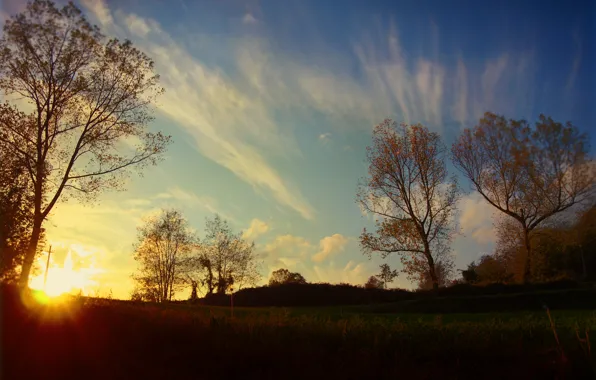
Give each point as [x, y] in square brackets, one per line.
[87, 104]
[166, 252]
[409, 190]
[226, 258]
[529, 173]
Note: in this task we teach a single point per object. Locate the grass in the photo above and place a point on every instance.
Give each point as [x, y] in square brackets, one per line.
[118, 339]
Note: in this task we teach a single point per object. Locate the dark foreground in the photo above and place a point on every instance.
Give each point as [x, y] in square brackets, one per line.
[85, 339]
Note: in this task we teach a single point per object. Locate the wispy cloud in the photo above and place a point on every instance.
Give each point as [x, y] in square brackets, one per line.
[577, 58]
[231, 114]
[175, 196]
[228, 124]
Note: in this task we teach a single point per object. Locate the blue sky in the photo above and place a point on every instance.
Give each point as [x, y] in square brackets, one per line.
[271, 105]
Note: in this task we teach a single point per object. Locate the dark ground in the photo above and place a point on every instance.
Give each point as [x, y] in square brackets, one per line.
[124, 340]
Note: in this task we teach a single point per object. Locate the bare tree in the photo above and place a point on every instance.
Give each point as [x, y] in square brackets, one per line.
[530, 174]
[409, 190]
[164, 251]
[387, 275]
[227, 259]
[90, 100]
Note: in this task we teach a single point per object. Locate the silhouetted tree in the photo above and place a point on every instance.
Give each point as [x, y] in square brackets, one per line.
[283, 276]
[90, 99]
[530, 174]
[226, 258]
[374, 282]
[193, 293]
[164, 250]
[409, 190]
[16, 213]
[469, 275]
[491, 269]
[443, 271]
[387, 275]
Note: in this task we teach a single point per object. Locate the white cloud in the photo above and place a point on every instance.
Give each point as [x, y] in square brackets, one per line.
[249, 19]
[329, 246]
[257, 228]
[476, 218]
[137, 25]
[100, 11]
[177, 197]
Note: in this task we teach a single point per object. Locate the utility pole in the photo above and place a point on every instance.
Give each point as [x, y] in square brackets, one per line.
[45, 276]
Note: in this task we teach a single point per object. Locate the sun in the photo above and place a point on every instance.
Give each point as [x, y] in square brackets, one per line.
[64, 280]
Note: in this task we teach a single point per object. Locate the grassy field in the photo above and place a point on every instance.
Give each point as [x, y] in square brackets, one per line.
[90, 338]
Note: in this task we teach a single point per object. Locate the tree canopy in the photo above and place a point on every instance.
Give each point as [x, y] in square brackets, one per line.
[80, 126]
[530, 173]
[409, 190]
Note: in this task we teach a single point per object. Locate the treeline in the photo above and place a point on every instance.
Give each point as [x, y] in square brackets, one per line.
[324, 294]
[531, 174]
[171, 257]
[563, 250]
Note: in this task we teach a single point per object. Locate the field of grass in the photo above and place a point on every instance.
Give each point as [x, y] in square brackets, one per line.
[89, 338]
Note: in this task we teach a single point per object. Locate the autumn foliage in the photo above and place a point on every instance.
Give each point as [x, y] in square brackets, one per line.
[410, 193]
[529, 173]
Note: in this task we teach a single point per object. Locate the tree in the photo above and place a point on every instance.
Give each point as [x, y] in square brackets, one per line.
[90, 100]
[15, 214]
[373, 282]
[469, 275]
[226, 258]
[408, 189]
[529, 174]
[443, 271]
[491, 269]
[387, 275]
[164, 251]
[283, 276]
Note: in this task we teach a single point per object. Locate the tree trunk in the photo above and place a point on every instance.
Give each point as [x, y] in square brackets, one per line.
[528, 261]
[584, 269]
[31, 251]
[432, 270]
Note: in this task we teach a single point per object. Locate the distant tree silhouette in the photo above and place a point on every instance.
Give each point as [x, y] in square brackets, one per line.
[387, 275]
[443, 271]
[469, 275]
[408, 189]
[164, 251]
[374, 282]
[194, 294]
[283, 276]
[528, 173]
[226, 258]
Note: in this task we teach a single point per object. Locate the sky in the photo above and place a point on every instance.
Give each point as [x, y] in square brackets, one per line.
[271, 105]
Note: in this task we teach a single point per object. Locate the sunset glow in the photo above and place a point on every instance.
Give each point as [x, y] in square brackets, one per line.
[65, 279]
[270, 109]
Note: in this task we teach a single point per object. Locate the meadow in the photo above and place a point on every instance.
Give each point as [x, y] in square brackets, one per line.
[100, 338]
